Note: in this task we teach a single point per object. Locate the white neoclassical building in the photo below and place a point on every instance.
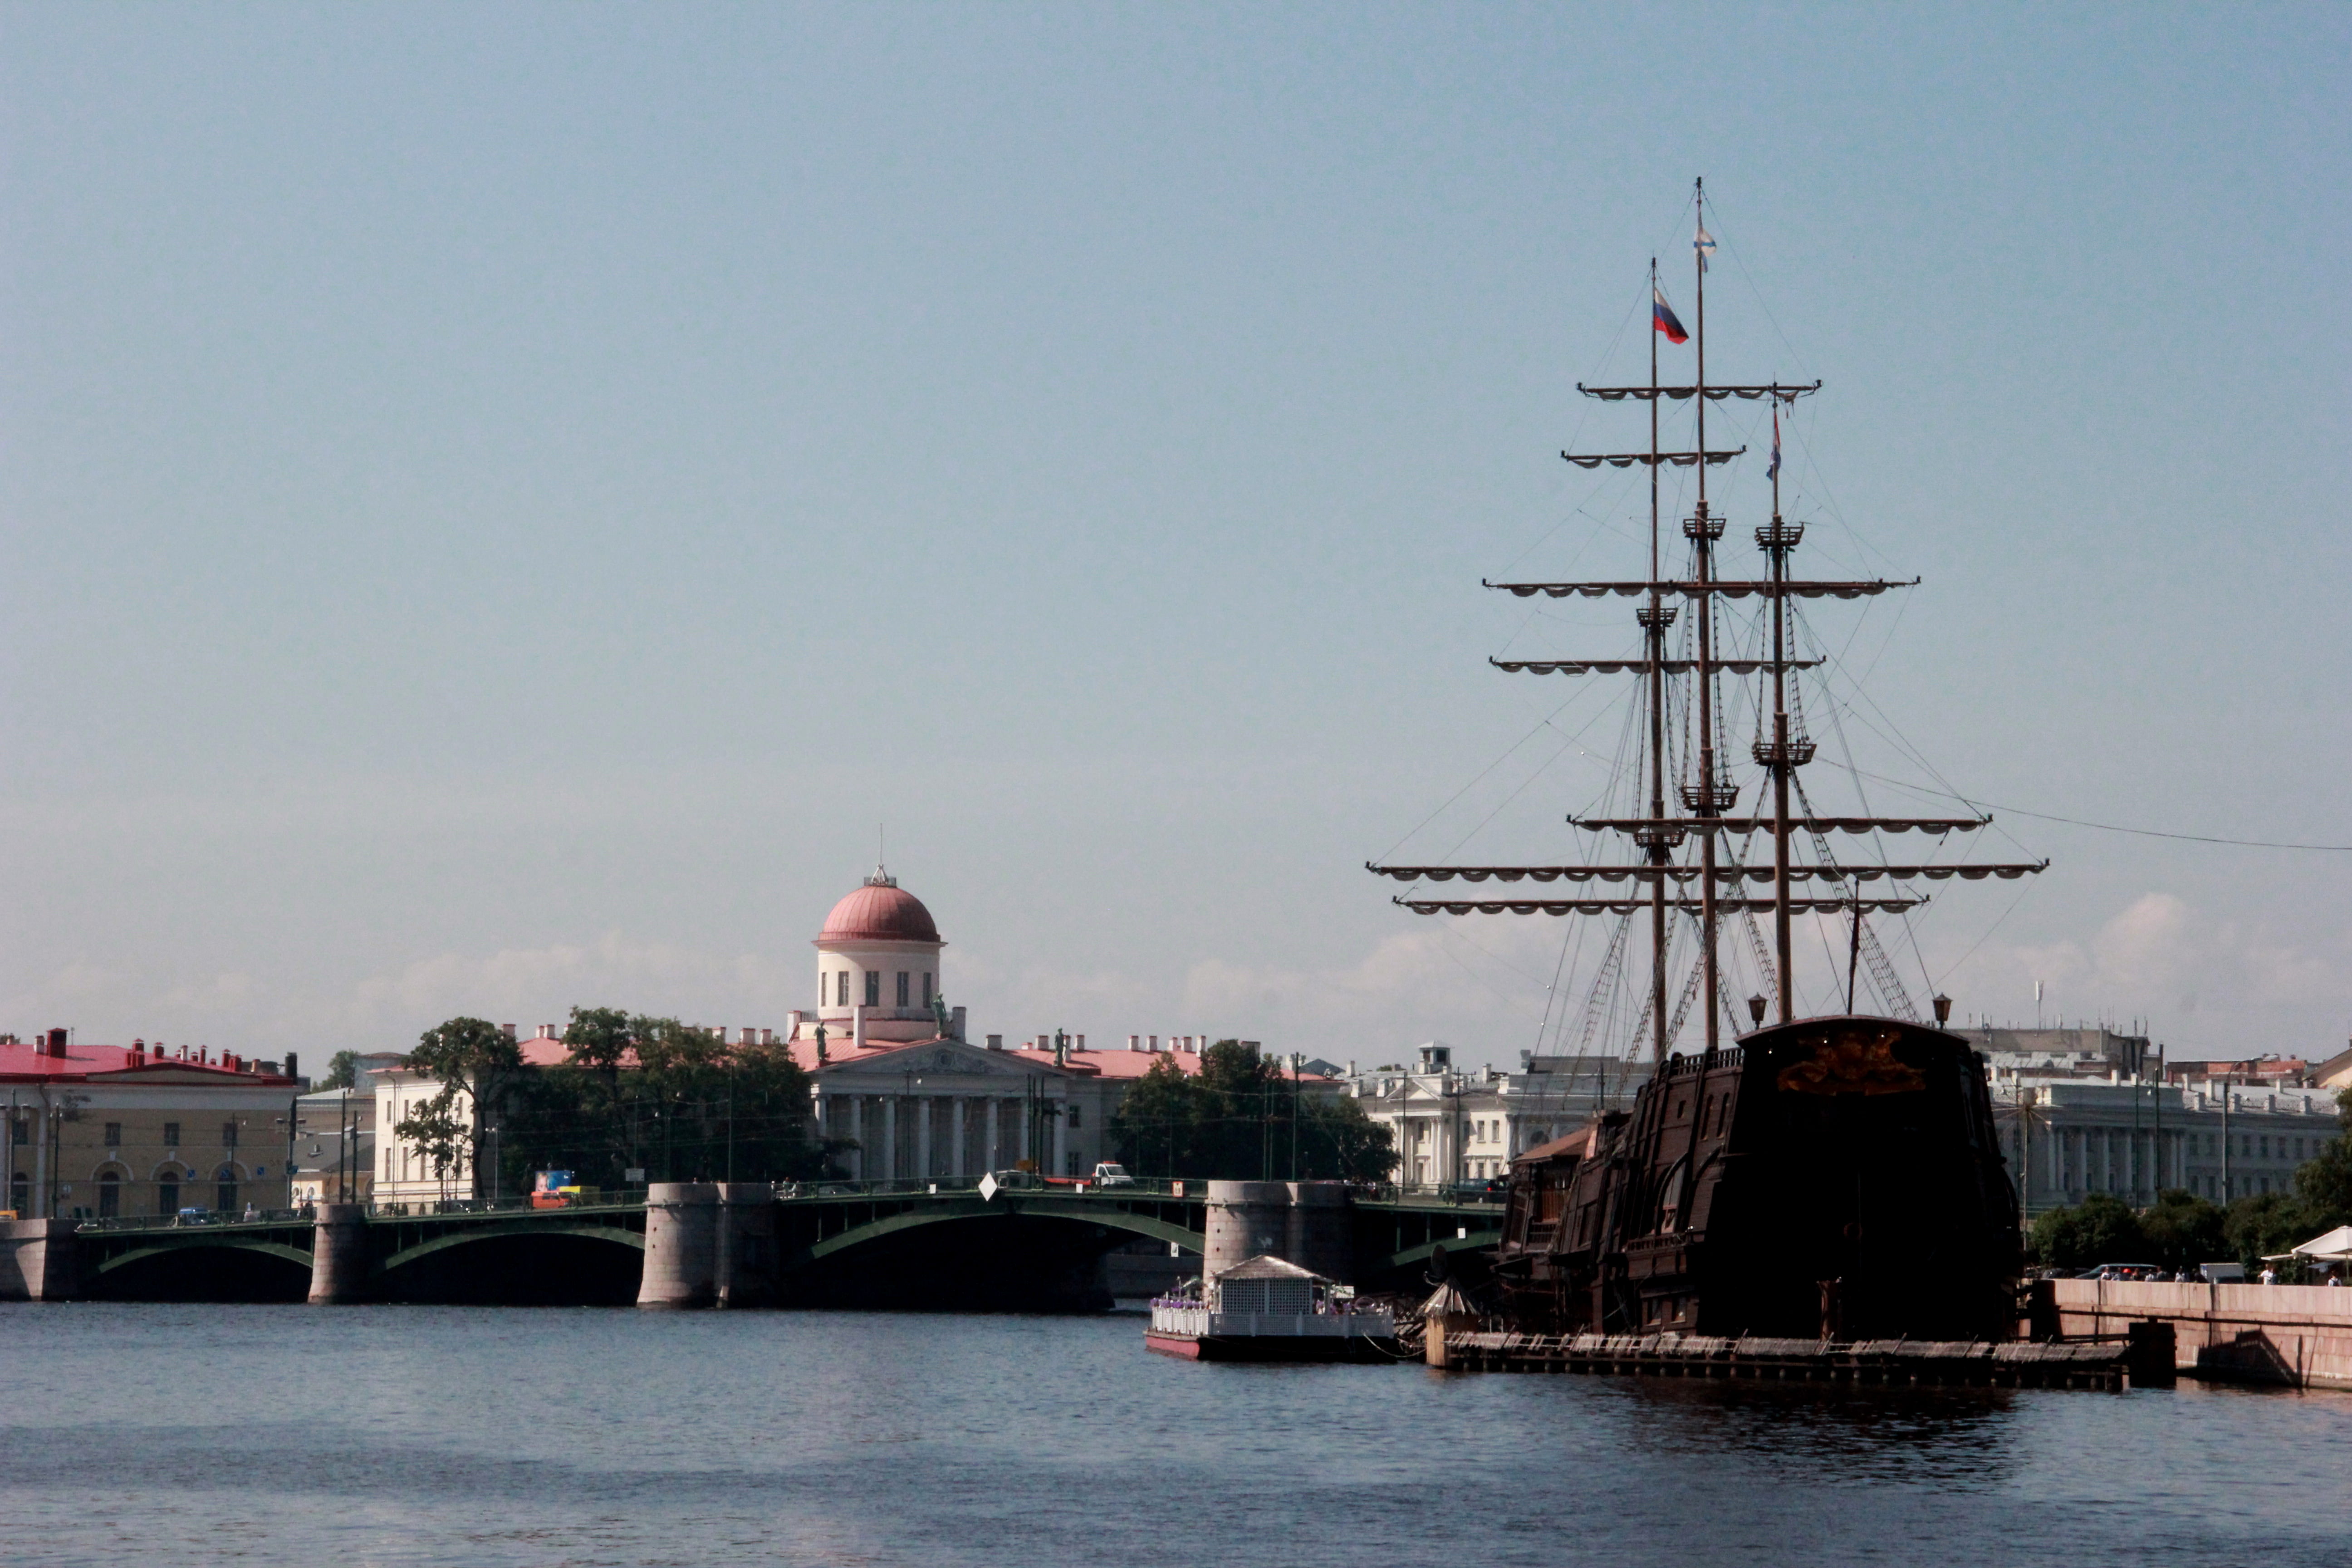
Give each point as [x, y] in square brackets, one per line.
[894, 1075]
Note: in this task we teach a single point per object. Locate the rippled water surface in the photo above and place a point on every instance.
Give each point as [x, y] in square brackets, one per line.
[185, 1436]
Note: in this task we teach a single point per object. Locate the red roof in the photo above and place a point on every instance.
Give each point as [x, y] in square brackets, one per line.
[24, 1060]
[880, 912]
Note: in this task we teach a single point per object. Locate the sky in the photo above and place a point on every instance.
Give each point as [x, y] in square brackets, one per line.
[500, 507]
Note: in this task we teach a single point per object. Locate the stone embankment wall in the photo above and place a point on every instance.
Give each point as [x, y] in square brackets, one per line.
[2294, 1334]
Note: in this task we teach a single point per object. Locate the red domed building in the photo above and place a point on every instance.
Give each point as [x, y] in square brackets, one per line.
[877, 971]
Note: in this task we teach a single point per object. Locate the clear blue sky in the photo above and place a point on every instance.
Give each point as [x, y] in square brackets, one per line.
[500, 502]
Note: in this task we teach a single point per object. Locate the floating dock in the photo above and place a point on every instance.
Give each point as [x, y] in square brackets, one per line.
[2104, 1364]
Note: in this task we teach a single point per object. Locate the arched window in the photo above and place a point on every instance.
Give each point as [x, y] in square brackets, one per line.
[225, 1194]
[167, 1192]
[1671, 1198]
[109, 1194]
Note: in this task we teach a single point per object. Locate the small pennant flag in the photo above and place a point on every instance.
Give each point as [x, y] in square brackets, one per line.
[1773, 473]
[1662, 316]
[1704, 245]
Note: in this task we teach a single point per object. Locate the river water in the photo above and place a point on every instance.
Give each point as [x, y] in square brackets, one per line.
[184, 1436]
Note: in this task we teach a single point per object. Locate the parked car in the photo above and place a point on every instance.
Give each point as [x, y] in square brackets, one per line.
[1481, 1189]
[2222, 1273]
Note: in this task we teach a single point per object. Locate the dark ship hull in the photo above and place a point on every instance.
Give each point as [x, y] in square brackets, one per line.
[1834, 1177]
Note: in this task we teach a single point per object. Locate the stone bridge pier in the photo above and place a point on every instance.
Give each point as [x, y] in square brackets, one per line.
[1311, 1224]
[340, 1257]
[709, 1244]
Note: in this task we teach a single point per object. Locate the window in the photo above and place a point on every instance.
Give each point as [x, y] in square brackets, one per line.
[841, 989]
[874, 988]
[109, 1196]
[228, 1134]
[1074, 1119]
[113, 1137]
[224, 1189]
[903, 978]
[167, 1193]
[170, 1135]
[927, 987]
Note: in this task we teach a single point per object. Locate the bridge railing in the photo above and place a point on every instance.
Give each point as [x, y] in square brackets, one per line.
[208, 1219]
[1006, 1180]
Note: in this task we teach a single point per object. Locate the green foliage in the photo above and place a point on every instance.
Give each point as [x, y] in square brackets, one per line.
[2324, 1185]
[2183, 1230]
[474, 1063]
[1243, 1117]
[652, 1093]
[2267, 1223]
[342, 1071]
[2100, 1229]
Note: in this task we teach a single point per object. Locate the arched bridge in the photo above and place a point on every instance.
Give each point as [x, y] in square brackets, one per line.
[929, 1243]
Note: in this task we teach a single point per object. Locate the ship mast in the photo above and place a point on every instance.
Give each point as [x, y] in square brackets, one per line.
[1654, 621]
[1707, 800]
[1780, 757]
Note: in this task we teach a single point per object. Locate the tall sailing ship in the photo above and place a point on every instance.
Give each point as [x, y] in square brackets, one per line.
[1835, 1175]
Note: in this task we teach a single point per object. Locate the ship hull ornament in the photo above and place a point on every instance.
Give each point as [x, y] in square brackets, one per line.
[1830, 1176]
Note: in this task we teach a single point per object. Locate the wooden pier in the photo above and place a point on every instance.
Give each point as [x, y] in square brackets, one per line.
[2105, 1363]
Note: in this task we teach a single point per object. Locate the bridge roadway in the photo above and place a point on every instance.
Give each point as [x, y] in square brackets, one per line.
[858, 1243]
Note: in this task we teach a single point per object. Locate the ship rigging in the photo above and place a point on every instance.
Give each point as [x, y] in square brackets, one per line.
[1692, 842]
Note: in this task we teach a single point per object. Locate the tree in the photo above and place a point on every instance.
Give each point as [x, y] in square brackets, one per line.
[342, 1071]
[2100, 1229]
[2266, 1225]
[678, 1103]
[472, 1061]
[2184, 1230]
[1242, 1117]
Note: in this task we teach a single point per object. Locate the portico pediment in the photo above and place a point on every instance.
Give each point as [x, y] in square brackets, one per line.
[948, 1058]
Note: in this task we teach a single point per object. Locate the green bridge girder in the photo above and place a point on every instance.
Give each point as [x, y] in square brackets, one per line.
[465, 1236]
[200, 1241]
[945, 1207]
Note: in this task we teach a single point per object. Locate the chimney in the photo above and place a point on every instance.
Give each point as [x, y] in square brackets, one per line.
[955, 1022]
[1081, 1044]
[996, 1042]
[509, 1031]
[767, 1037]
[857, 1026]
[548, 1032]
[750, 1037]
[57, 1043]
[1154, 1045]
[292, 1069]
[793, 1024]
[1135, 1042]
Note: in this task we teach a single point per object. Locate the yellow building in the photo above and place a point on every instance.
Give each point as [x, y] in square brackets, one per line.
[91, 1131]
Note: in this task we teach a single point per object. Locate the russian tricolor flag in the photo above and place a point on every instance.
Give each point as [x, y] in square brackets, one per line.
[1662, 316]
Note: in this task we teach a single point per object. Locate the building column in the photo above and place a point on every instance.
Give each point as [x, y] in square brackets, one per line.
[1021, 1143]
[955, 1135]
[1060, 1118]
[857, 1105]
[889, 1139]
[923, 1137]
